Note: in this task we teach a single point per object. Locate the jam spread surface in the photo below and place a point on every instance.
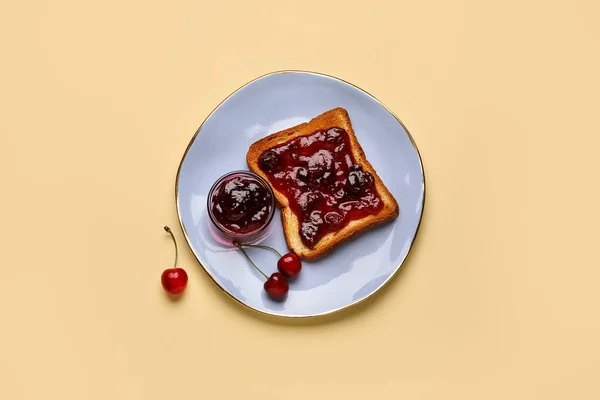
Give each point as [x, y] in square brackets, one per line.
[324, 186]
[241, 204]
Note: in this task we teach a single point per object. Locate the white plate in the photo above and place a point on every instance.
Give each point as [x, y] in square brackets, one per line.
[355, 270]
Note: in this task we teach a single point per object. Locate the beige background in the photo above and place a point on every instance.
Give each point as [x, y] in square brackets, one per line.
[499, 298]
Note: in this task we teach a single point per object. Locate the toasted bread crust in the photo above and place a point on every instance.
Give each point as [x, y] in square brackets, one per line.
[337, 117]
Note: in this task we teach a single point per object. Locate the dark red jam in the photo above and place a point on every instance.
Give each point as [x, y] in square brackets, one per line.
[241, 204]
[325, 187]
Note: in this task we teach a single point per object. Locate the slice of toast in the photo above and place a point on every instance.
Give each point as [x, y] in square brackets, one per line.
[337, 117]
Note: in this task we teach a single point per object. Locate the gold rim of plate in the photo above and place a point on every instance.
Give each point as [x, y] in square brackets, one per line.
[398, 268]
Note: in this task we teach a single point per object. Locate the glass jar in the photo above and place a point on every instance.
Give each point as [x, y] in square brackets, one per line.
[241, 205]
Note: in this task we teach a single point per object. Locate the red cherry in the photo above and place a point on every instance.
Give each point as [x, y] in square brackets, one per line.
[289, 265]
[277, 285]
[174, 280]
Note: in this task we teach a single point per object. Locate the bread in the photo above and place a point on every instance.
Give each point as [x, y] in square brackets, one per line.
[339, 118]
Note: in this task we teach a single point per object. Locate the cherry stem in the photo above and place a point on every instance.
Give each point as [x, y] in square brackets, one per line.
[239, 246]
[174, 242]
[260, 246]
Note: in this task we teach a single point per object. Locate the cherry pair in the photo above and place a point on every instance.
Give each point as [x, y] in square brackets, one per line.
[288, 265]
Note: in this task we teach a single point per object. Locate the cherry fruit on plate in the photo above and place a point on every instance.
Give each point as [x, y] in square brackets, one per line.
[289, 265]
[174, 280]
[277, 284]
